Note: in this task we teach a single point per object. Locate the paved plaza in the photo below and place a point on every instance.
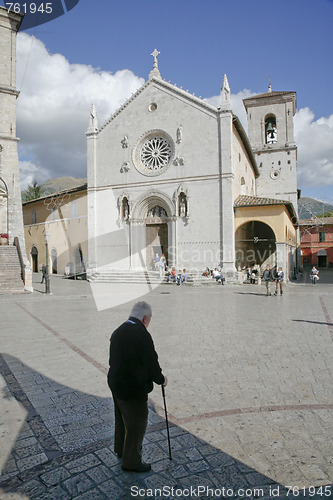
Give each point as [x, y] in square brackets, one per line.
[249, 395]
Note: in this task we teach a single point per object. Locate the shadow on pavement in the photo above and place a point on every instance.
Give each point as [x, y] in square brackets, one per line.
[314, 322]
[64, 450]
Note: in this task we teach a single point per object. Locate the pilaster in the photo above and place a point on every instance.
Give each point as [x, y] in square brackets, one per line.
[227, 230]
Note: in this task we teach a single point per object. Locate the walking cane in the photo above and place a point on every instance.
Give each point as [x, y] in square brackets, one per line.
[166, 419]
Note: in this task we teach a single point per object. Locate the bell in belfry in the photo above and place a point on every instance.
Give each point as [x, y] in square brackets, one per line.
[271, 134]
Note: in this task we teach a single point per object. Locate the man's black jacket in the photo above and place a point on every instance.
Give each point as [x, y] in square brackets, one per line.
[133, 361]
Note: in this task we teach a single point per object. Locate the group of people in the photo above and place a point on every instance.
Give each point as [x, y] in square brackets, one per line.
[268, 277]
[179, 278]
[172, 275]
[278, 277]
[215, 273]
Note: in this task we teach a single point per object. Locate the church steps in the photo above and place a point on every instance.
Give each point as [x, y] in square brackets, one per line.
[150, 277]
[10, 271]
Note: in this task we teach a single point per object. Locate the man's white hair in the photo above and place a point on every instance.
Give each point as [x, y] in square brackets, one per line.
[140, 310]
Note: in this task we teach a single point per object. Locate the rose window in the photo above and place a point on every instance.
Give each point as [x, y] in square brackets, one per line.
[155, 153]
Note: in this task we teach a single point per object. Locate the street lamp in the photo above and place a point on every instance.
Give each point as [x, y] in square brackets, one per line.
[47, 277]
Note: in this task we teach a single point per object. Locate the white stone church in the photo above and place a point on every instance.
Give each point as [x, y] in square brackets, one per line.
[169, 173]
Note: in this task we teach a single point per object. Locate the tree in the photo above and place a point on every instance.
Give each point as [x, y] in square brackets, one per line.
[32, 192]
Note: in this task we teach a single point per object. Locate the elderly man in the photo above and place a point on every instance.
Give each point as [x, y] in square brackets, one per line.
[134, 367]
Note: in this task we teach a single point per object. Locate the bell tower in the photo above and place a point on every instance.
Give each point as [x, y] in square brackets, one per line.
[270, 119]
[11, 218]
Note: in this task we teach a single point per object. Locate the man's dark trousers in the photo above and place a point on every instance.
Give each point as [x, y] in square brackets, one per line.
[131, 418]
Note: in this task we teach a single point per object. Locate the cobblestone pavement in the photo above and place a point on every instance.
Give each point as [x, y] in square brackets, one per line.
[249, 394]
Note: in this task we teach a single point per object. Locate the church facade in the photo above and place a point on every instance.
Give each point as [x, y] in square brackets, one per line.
[169, 173]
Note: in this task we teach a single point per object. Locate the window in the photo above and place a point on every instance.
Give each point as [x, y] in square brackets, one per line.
[33, 217]
[321, 237]
[74, 208]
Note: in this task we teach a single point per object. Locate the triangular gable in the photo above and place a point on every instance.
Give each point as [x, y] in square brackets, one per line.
[164, 86]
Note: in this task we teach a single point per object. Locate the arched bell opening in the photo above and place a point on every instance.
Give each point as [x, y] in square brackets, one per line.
[270, 129]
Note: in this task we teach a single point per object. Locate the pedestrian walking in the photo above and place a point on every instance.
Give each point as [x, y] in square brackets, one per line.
[279, 281]
[268, 277]
[314, 275]
[44, 272]
[134, 367]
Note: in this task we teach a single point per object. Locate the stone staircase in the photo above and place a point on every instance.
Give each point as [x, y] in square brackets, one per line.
[10, 270]
[143, 277]
[125, 276]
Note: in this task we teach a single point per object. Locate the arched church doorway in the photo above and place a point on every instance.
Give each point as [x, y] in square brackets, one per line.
[34, 259]
[255, 243]
[156, 234]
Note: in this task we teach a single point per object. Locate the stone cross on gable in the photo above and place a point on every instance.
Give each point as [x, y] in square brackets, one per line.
[155, 71]
[155, 54]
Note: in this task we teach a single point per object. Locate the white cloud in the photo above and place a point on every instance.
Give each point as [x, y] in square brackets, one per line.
[30, 172]
[54, 105]
[314, 139]
[237, 105]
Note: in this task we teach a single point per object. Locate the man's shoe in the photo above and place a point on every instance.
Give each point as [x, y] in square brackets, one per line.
[143, 467]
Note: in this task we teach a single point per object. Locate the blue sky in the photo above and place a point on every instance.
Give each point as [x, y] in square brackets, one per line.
[199, 41]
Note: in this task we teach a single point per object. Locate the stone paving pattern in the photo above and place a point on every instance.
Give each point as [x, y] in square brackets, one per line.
[249, 395]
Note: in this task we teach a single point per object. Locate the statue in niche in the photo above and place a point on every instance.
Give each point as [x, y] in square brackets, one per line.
[182, 205]
[179, 134]
[125, 209]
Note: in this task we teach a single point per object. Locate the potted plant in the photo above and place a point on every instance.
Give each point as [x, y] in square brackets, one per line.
[4, 239]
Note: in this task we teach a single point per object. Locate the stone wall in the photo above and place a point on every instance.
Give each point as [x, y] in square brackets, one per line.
[9, 165]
